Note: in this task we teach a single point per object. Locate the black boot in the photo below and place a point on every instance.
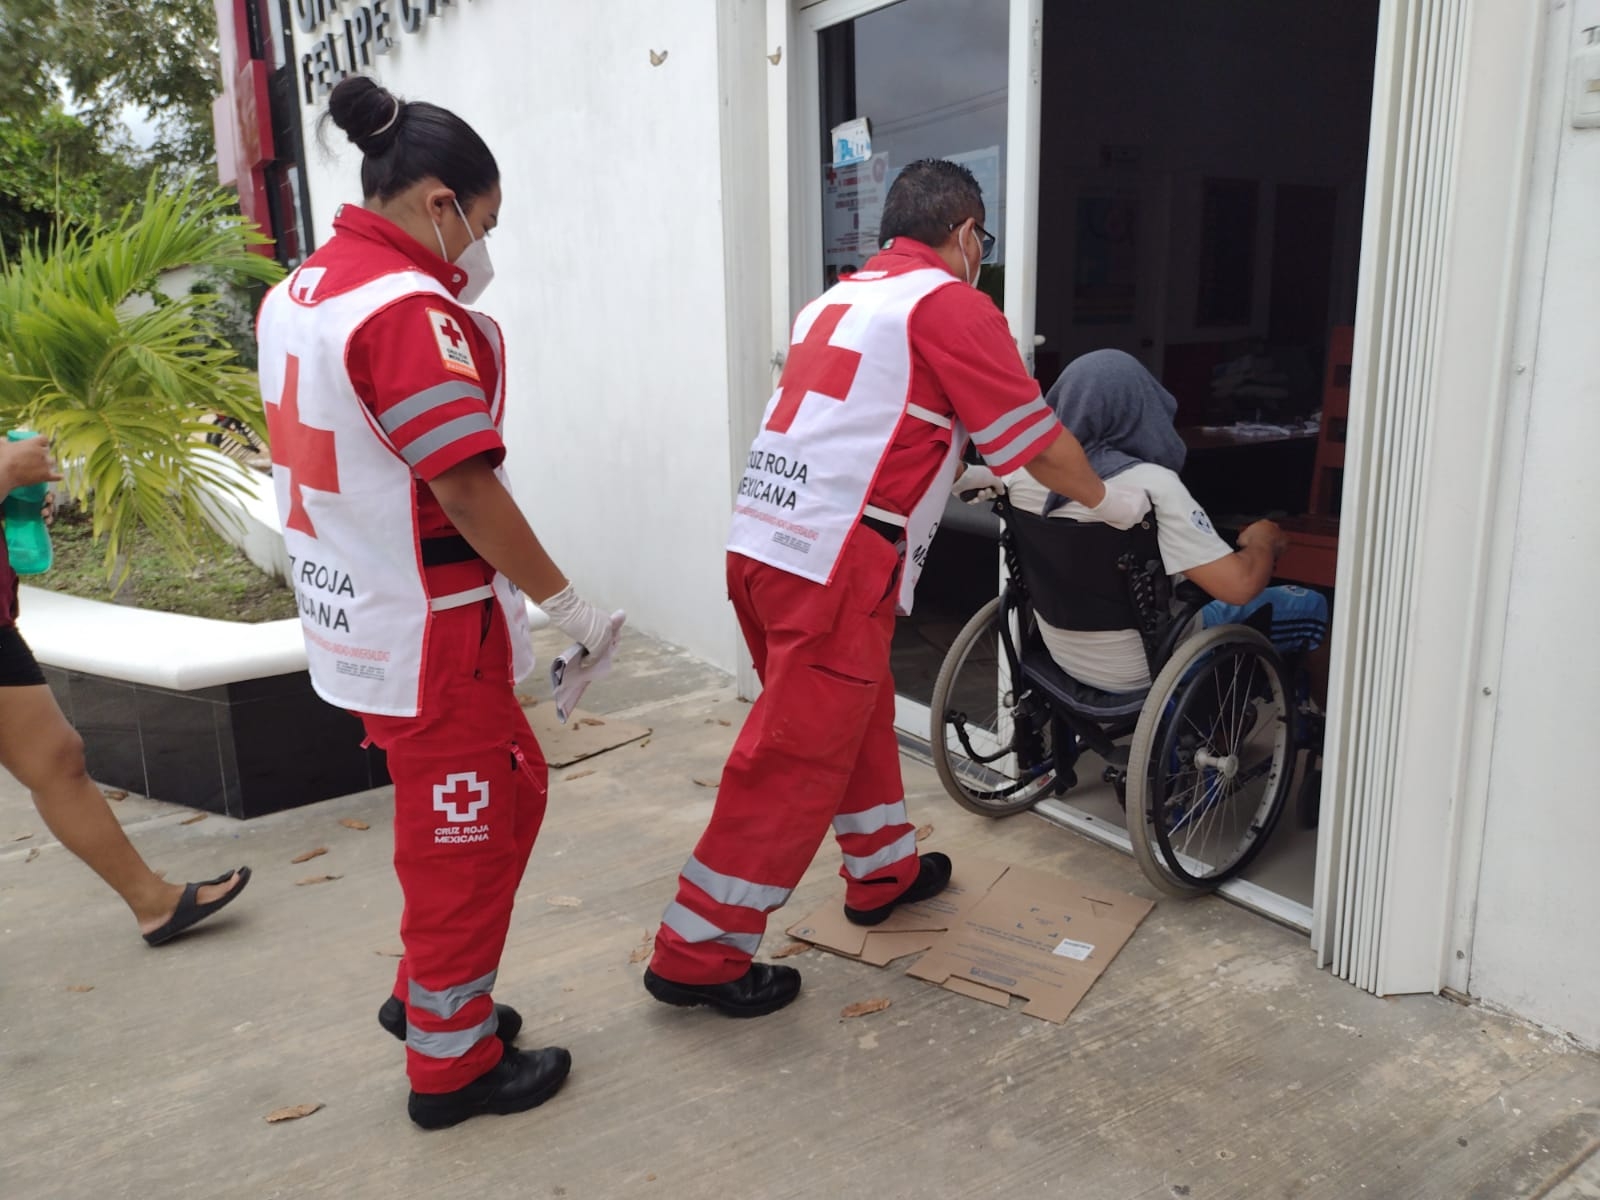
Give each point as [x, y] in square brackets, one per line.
[392, 1016]
[932, 878]
[523, 1079]
[763, 989]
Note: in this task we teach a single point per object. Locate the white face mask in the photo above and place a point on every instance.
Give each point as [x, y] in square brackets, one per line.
[961, 241]
[474, 260]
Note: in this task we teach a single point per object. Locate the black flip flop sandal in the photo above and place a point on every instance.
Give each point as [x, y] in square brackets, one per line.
[190, 911]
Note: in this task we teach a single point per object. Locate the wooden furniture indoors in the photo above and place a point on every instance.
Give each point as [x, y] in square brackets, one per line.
[1313, 547]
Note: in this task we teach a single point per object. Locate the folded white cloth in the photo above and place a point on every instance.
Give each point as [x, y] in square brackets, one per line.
[574, 669]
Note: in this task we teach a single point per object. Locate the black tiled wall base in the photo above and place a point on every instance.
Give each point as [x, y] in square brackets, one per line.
[239, 749]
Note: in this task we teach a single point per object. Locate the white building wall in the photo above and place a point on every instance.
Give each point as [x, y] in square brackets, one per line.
[609, 281]
[1536, 950]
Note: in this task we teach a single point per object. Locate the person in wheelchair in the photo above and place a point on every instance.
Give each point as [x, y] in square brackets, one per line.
[1124, 419]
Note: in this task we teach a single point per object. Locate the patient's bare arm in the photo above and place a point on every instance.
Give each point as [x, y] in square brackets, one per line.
[1241, 576]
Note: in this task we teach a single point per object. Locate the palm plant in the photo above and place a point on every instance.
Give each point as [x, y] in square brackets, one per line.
[127, 396]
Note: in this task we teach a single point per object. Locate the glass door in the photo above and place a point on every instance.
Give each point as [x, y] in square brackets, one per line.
[930, 79]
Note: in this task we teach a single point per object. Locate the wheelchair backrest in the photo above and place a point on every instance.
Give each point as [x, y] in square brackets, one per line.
[1087, 576]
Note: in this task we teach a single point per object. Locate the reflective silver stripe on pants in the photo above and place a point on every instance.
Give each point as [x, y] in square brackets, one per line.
[870, 820]
[730, 889]
[692, 927]
[428, 399]
[447, 1002]
[861, 867]
[451, 1043]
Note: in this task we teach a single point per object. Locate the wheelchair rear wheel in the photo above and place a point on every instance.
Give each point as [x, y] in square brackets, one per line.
[1212, 760]
[995, 754]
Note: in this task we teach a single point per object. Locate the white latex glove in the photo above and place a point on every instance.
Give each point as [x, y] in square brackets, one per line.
[1124, 506]
[579, 620]
[977, 484]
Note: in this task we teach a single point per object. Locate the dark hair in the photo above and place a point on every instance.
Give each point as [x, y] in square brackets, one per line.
[927, 198]
[403, 142]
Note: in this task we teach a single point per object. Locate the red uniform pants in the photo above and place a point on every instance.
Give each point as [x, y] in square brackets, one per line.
[469, 794]
[818, 748]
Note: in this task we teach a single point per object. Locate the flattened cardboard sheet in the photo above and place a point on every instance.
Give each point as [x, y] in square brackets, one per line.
[910, 929]
[583, 736]
[1042, 937]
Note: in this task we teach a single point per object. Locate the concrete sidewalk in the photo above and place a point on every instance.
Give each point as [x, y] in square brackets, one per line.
[1212, 1060]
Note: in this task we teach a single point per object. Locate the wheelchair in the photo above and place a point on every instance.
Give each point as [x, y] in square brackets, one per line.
[1202, 760]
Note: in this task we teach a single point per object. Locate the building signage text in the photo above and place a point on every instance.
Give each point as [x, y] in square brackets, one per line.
[349, 34]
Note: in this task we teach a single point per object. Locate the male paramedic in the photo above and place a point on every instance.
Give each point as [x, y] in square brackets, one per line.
[888, 375]
[384, 396]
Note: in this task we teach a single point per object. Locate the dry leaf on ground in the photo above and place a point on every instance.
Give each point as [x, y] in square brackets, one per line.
[590, 721]
[390, 953]
[723, 723]
[791, 950]
[115, 794]
[32, 854]
[525, 700]
[650, 1178]
[352, 823]
[293, 1113]
[22, 837]
[310, 879]
[710, 783]
[194, 820]
[578, 775]
[644, 743]
[309, 855]
[862, 1008]
[80, 987]
[642, 950]
[564, 901]
[923, 831]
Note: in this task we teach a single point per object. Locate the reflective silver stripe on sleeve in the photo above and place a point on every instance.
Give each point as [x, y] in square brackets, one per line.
[871, 820]
[1015, 417]
[447, 1002]
[450, 431]
[730, 889]
[884, 515]
[1020, 443]
[451, 1043]
[428, 399]
[863, 866]
[692, 927]
[928, 415]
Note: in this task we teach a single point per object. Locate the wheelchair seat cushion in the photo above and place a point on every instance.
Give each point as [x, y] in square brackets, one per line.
[1078, 698]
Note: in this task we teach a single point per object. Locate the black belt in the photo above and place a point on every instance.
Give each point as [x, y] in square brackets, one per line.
[451, 548]
[893, 534]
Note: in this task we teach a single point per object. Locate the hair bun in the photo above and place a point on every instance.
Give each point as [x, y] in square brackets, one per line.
[368, 114]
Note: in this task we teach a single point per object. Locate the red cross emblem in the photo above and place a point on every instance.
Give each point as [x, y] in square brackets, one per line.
[448, 328]
[302, 450]
[815, 365]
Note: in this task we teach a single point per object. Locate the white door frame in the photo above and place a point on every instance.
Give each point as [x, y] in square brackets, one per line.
[1426, 485]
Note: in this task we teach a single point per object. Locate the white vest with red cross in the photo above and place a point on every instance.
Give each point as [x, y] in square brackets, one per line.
[356, 564]
[827, 429]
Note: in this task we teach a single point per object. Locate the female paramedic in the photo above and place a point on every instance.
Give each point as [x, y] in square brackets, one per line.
[384, 396]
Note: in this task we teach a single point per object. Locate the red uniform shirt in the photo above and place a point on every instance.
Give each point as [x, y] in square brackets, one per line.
[421, 358]
[964, 364]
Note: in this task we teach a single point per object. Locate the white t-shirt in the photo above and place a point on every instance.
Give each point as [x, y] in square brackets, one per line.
[1114, 659]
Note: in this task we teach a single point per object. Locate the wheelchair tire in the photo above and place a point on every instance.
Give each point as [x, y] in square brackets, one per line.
[1185, 757]
[989, 781]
